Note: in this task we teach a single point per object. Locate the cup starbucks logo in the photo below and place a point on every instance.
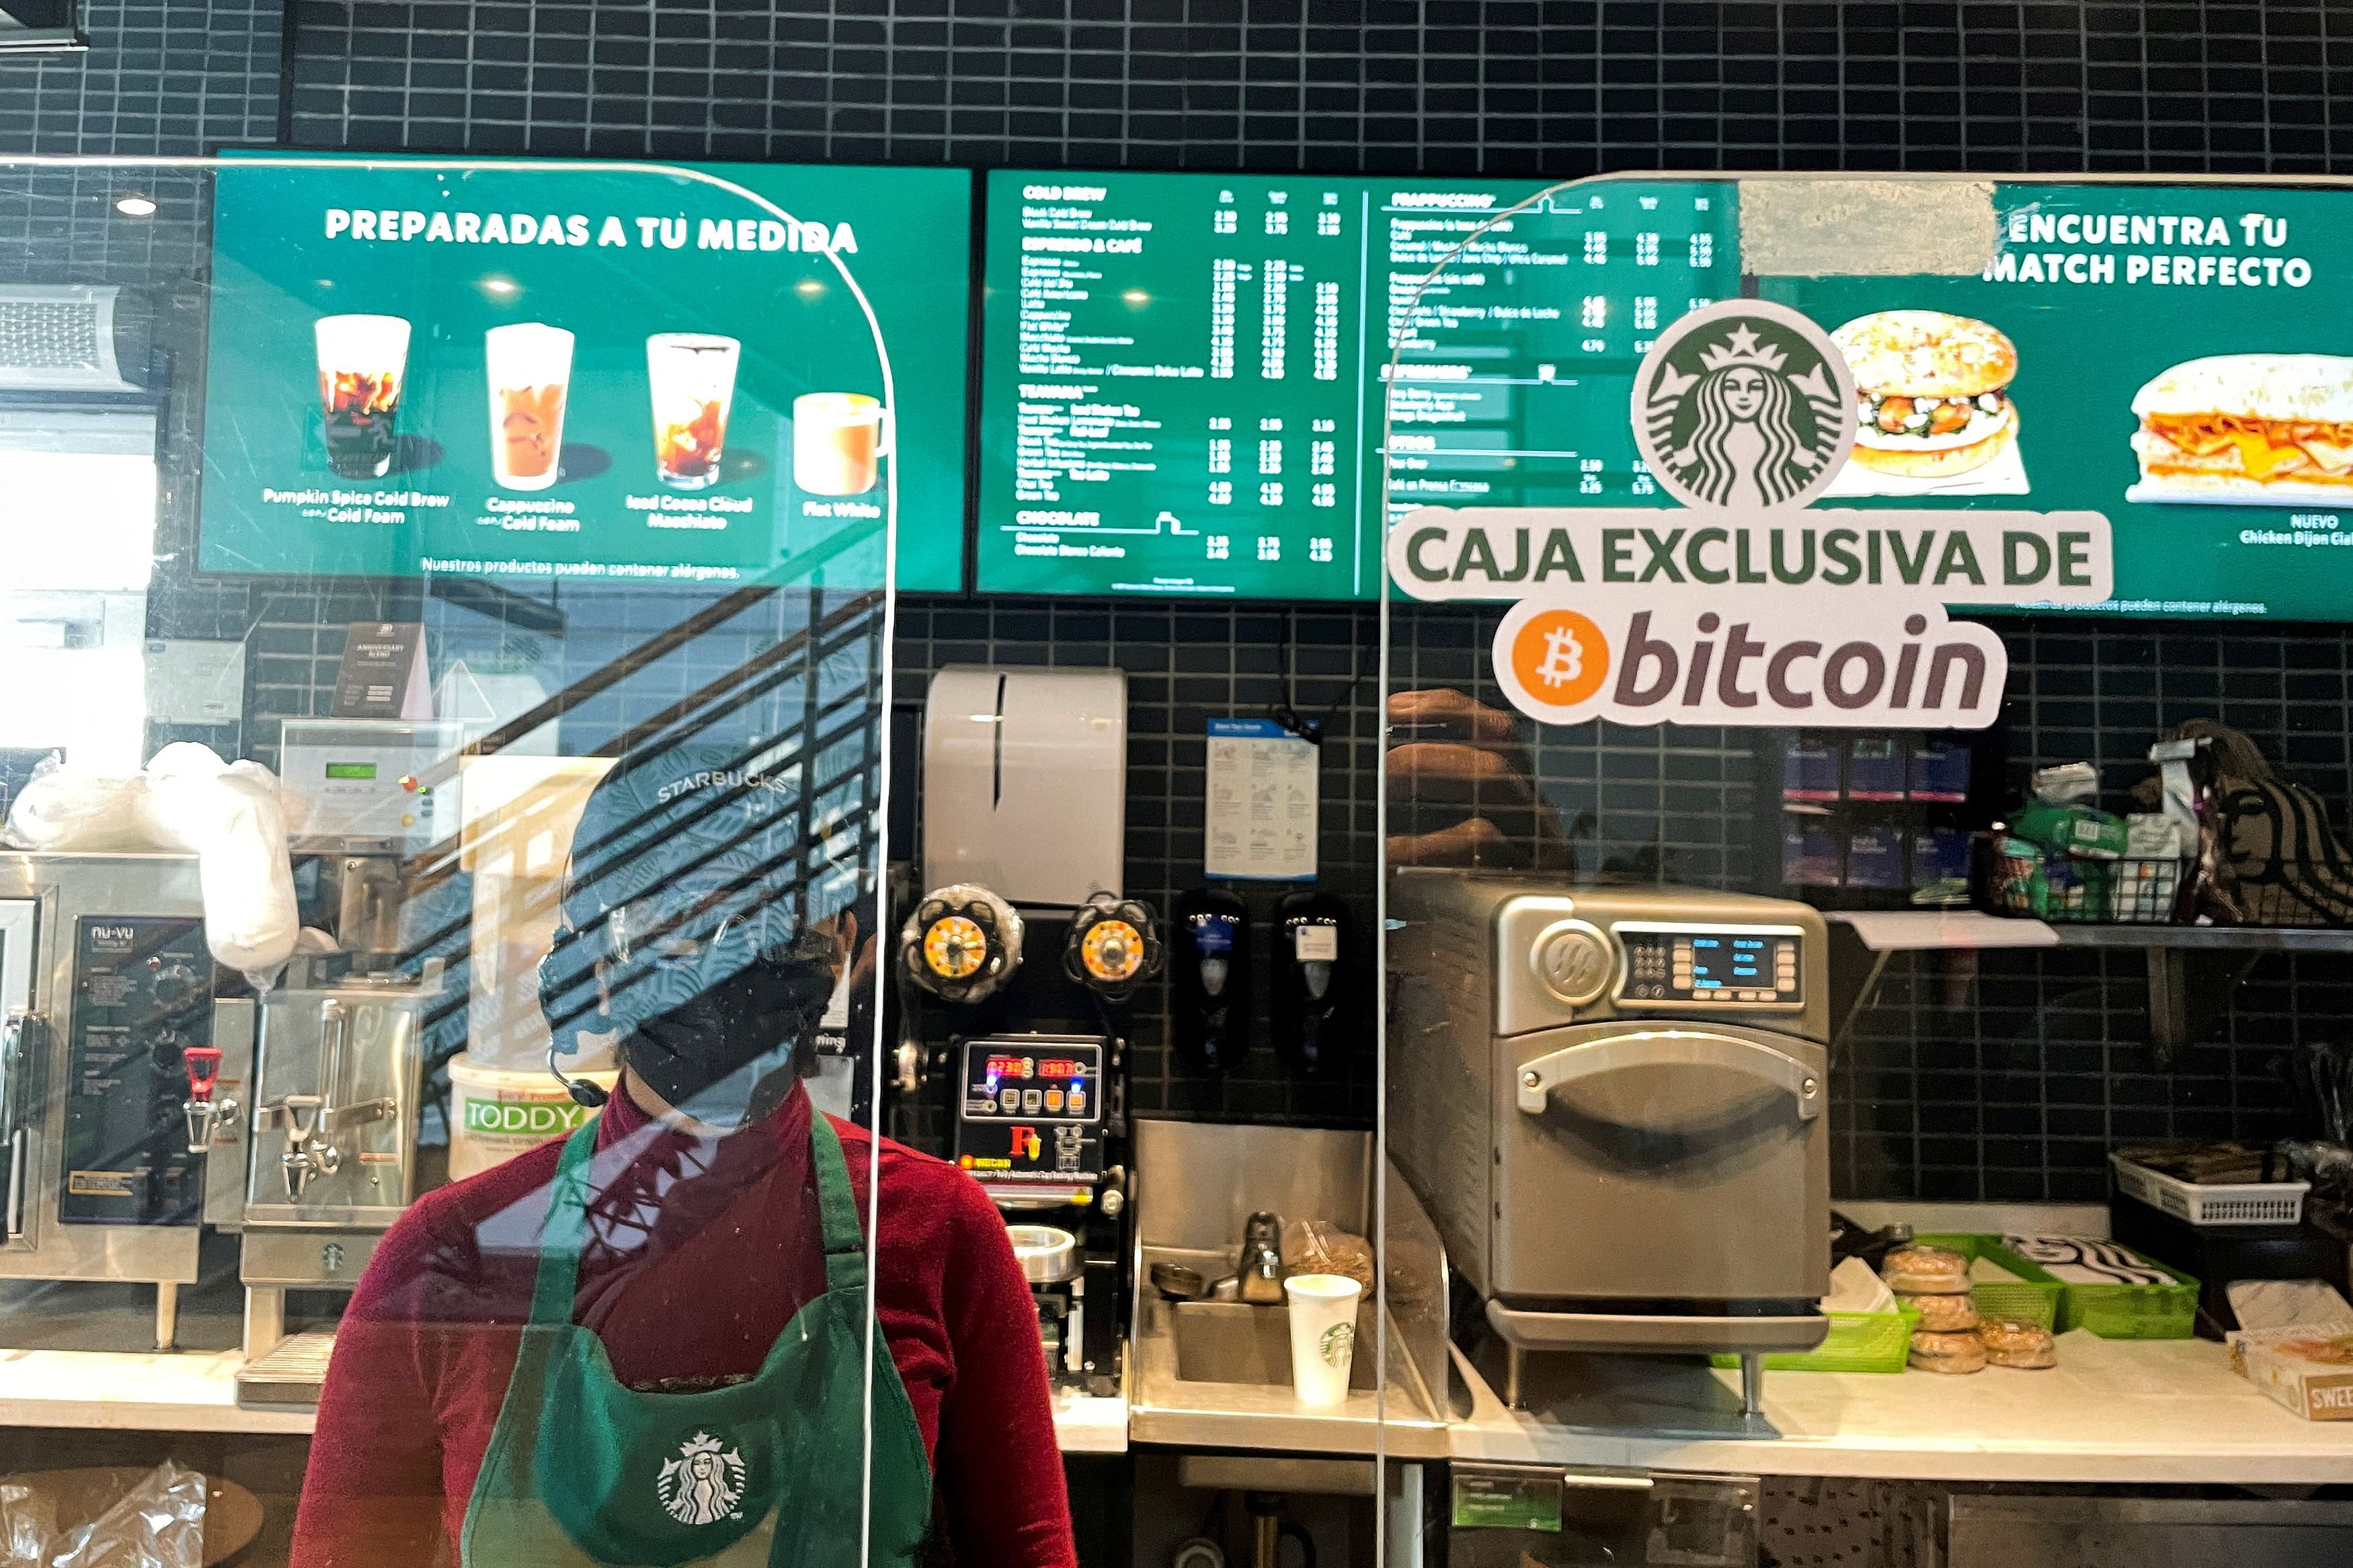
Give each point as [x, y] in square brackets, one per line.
[1336, 1342]
[1744, 405]
[704, 1484]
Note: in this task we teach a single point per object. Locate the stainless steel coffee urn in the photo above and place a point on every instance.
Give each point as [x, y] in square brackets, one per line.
[1613, 1102]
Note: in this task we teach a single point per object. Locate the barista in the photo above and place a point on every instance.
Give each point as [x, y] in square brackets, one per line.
[648, 1343]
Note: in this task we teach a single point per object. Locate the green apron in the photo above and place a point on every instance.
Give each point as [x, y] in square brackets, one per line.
[582, 1470]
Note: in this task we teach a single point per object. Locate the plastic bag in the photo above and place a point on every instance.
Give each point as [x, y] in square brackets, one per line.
[230, 817]
[28, 1523]
[1319, 1246]
[158, 1523]
[77, 810]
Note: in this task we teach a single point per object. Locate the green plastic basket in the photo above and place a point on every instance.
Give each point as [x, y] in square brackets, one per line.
[2022, 1300]
[2110, 1312]
[1858, 1342]
[2134, 1311]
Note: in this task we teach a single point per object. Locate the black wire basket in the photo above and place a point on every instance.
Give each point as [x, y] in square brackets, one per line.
[2019, 880]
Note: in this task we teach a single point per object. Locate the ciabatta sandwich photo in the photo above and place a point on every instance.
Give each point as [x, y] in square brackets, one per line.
[2249, 429]
[1932, 391]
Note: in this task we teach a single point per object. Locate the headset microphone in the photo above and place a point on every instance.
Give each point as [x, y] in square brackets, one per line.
[581, 1091]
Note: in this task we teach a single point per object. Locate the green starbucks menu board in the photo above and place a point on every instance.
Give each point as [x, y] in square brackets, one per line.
[1183, 375]
[1535, 324]
[1171, 372]
[593, 372]
[2176, 357]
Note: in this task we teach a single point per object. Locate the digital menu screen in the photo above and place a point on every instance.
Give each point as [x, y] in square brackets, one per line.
[1183, 375]
[2163, 354]
[1186, 386]
[419, 367]
[1173, 369]
[1515, 363]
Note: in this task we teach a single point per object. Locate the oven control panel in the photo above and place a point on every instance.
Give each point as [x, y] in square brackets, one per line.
[1712, 965]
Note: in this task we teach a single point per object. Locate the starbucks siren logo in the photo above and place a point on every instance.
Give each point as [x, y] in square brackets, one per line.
[704, 1484]
[1334, 1345]
[1744, 405]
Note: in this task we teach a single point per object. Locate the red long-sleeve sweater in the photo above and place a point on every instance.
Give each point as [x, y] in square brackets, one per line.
[700, 1252]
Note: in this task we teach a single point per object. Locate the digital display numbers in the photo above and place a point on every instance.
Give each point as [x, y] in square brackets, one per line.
[1001, 1068]
[1715, 962]
[1184, 377]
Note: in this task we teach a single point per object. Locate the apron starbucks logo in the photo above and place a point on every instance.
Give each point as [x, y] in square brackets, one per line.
[704, 1484]
[1744, 405]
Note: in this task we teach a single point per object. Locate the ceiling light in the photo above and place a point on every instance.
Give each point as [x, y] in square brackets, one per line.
[136, 206]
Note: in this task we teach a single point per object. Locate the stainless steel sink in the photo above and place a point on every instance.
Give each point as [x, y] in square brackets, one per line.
[1227, 1341]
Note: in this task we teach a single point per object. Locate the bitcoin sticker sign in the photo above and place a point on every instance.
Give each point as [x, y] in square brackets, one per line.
[1746, 605]
[1808, 658]
[1558, 657]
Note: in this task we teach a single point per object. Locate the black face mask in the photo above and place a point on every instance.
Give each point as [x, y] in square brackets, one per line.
[730, 1054]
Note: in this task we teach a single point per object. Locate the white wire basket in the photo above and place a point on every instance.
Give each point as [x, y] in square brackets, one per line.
[2247, 1203]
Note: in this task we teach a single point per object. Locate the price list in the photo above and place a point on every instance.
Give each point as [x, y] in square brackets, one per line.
[1188, 377]
[1515, 362]
[1174, 393]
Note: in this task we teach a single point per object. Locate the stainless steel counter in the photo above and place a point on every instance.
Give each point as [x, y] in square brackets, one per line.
[1165, 1405]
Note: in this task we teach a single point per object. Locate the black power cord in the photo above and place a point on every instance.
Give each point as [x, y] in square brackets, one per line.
[1286, 713]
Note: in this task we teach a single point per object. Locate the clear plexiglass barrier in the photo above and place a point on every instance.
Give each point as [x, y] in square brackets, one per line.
[1796, 898]
[486, 1001]
[443, 753]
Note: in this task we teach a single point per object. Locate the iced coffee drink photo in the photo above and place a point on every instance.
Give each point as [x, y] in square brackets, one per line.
[692, 376]
[363, 364]
[530, 367]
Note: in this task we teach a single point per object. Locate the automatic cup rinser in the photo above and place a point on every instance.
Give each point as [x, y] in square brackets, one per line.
[1613, 1102]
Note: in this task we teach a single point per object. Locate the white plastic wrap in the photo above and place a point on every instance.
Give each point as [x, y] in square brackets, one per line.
[158, 1523]
[230, 817]
[69, 810]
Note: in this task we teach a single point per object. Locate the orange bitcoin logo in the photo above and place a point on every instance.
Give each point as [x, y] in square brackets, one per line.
[1560, 658]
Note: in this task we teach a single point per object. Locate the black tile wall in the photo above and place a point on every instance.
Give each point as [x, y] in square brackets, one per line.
[161, 77]
[1488, 86]
[1186, 664]
[2010, 1076]
[2005, 1076]
[1998, 1076]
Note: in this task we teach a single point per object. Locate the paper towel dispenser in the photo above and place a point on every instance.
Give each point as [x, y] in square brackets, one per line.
[1025, 781]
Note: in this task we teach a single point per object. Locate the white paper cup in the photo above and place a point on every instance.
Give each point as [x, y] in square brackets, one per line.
[1323, 1335]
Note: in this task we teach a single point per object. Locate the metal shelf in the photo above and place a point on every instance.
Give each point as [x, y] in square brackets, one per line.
[1919, 931]
[1866, 940]
[2208, 939]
